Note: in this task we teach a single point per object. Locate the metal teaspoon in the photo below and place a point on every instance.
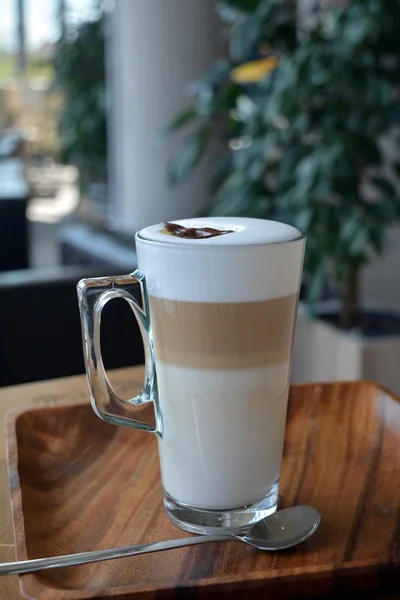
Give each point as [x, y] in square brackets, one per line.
[279, 531]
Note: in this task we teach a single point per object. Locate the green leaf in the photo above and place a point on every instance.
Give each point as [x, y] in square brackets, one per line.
[372, 152]
[376, 238]
[226, 100]
[384, 186]
[356, 31]
[303, 219]
[233, 204]
[306, 173]
[221, 171]
[211, 78]
[316, 286]
[307, 168]
[349, 229]
[229, 9]
[396, 168]
[244, 5]
[245, 37]
[182, 119]
[191, 152]
[357, 244]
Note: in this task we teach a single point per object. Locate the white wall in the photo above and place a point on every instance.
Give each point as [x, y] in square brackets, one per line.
[381, 279]
[156, 48]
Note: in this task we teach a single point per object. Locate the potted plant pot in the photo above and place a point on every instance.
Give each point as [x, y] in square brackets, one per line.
[325, 352]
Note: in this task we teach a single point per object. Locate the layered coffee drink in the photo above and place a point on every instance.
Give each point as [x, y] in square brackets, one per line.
[223, 310]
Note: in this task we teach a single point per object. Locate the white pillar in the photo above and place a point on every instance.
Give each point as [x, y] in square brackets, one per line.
[156, 48]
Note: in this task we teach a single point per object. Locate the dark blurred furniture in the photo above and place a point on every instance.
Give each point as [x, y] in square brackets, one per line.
[14, 195]
[87, 246]
[40, 326]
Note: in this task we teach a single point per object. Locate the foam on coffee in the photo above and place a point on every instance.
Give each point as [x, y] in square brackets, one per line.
[247, 265]
[245, 231]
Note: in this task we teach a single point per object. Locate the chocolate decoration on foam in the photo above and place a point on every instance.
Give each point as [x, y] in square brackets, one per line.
[194, 233]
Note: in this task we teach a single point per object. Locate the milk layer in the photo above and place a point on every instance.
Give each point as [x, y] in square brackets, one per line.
[223, 433]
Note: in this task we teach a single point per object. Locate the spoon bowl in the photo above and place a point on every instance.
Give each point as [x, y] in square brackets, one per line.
[283, 529]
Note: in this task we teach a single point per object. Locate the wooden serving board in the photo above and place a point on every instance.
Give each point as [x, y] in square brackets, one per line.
[79, 484]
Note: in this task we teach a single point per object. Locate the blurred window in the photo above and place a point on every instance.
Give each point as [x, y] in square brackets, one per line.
[29, 32]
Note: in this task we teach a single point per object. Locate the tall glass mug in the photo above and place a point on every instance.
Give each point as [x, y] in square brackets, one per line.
[217, 317]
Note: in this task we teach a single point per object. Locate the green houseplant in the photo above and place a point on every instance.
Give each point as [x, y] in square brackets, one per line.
[79, 74]
[303, 140]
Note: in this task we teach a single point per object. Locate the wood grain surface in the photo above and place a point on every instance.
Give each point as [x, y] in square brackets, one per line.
[128, 382]
[79, 484]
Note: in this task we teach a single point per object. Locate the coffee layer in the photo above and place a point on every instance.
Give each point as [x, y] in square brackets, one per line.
[222, 335]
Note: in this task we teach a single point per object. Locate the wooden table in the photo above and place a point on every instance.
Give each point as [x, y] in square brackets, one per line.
[127, 383]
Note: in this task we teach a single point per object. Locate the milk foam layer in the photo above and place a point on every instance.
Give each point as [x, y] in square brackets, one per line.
[224, 432]
[244, 266]
[245, 232]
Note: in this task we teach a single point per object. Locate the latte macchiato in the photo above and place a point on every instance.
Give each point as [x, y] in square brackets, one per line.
[217, 317]
[222, 313]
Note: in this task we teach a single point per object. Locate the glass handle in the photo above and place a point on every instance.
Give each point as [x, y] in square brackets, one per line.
[93, 295]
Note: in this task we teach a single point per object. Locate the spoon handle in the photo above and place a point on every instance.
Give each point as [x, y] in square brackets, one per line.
[69, 560]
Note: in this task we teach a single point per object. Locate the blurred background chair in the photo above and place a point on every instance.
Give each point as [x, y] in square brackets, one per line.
[14, 196]
[40, 326]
